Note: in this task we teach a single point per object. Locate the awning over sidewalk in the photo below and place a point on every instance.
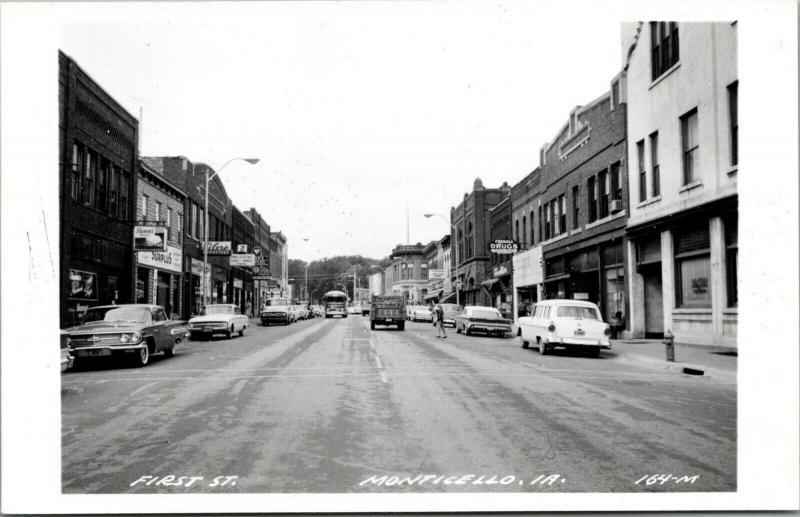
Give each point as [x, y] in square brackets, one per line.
[432, 295]
[448, 297]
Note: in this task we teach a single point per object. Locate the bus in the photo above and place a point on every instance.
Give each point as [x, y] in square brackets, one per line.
[335, 304]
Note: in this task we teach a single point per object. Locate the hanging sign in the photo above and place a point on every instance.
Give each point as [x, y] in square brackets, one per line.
[149, 238]
[504, 246]
[219, 247]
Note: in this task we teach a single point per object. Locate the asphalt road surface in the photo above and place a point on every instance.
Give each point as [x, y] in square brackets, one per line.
[330, 406]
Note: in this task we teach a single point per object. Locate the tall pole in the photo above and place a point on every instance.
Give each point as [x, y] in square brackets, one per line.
[205, 242]
[306, 297]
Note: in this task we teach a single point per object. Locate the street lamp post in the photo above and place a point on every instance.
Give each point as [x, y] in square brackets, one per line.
[428, 216]
[251, 161]
[306, 284]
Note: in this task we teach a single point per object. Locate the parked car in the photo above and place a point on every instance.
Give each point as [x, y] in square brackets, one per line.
[565, 324]
[66, 356]
[354, 309]
[388, 310]
[421, 313]
[318, 310]
[277, 310]
[221, 318]
[488, 320]
[301, 311]
[451, 310]
[136, 330]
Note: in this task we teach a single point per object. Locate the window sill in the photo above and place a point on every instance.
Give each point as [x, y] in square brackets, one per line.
[555, 239]
[649, 201]
[606, 219]
[690, 186]
[575, 231]
[733, 170]
[692, 311]
[731, 311]
[663, 76]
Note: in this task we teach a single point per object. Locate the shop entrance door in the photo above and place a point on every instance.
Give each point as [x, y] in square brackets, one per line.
[162, 290]
[653, 302]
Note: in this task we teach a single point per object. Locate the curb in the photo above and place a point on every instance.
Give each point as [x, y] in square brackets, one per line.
[688, 369]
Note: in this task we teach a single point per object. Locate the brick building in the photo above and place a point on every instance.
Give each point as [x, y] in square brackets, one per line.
[98, 149]
[683, 131]
[527, 262]
[279, 263]
[261, 245]
[471, 218]
[584, 204]
[243, 234]
[500, 284]
[159, 275]
[180, 171]
[409, 272]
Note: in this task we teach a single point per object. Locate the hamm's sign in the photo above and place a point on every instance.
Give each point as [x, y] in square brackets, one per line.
[504, 246]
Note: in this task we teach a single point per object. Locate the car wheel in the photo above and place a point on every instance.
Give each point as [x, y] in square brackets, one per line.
[193, 336]
[525, 344]
[458, 330]
[142, 357]
[401, 326]
[594, 352]
[170, 352]
[241, 332]
[229, 333]
[542, 348]
[372, 325]
[467, 331]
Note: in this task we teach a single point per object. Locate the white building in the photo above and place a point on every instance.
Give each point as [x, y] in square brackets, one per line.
[376, 284]
[682, 96]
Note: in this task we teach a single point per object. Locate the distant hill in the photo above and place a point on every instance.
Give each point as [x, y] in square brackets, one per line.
[333, 273]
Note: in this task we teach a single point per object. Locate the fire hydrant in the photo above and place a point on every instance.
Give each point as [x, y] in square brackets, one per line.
[669, 345]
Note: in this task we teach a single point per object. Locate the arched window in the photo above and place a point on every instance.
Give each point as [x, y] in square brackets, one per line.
[516, 230]
[524, 231]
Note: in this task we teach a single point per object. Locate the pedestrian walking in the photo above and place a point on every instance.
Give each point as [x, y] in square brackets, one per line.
[248, 309]
[438, 315]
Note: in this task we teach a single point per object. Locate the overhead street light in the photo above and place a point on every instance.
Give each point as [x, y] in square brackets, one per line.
[251, 161]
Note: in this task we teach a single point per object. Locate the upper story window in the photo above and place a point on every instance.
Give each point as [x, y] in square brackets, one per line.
[690, 146]
[656, 173]
[602, 181]
[89, 174]
[524, 231]
[733, 119]
[158, 211]
[75, 171]
[592, 196]
[663, 47]
[530, 242]
[575, 208]
[144, 207]
[562, 214]
[124, 186]
[516, 229]
[541, 225]
[616, 181]
[113, 189]
[642, 171]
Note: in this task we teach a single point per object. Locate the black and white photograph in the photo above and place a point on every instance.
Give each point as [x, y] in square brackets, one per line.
[399, 256]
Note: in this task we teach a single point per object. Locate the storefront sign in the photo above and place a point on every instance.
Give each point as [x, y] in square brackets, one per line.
[197, 267]
[500, 271]
[436, 274]
[149, 238]
[241, 248]
[243, 259]
[82, 285]
[262, 277]
[504, 246]
[219, 248]
[170, 260]
[434, 285]
[237, 283]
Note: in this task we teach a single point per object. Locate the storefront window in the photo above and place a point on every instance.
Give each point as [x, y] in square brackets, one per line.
[142, 285]
[732, 259]
[692, 268]
[615, 292]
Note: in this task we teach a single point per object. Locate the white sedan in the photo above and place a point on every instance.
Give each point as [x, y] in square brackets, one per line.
[223, 318]
[421, 313]
[565, 324]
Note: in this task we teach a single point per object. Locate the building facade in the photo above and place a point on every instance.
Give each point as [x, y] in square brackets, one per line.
[278, 264]
[682, 92]
[584, 205]
[98, 161]
[159, 275]
[243, 241]
[500, 284]
[409, 272]
[180, 171]
[261, 248]
[527, 262]
[471, 232]
[376, 284]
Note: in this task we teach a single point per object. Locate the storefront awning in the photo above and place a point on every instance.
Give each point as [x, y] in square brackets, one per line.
[553, 278]
[489, 283]
[432, 295]
[447, 297]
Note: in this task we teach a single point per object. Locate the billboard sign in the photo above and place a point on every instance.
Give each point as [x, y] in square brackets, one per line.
[243, 260]
[219, 248]
[149, 238]
[436, 274]
[504, 246]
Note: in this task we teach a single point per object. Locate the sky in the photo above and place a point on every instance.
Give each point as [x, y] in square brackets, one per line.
[358, 112]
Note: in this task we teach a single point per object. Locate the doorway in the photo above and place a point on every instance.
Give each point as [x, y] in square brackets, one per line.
[653, 302]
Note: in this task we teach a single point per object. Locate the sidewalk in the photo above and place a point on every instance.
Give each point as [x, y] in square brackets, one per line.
[717, 362]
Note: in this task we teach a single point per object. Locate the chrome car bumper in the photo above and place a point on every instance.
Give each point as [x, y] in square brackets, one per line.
[86, 351]
[481, 327]
[598, 343]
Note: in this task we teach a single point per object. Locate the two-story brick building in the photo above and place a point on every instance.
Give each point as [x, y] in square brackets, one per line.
[527, 262]
[471, 234]
[243, 234]
[98, 162]
[682, 93]
[261, 247]
[409, 272]
[584, 205]
[159, 275]
[500, 284]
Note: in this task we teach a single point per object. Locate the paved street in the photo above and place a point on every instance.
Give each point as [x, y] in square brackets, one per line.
[330, 406]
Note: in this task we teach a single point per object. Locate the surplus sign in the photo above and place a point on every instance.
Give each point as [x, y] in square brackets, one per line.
[504, 246]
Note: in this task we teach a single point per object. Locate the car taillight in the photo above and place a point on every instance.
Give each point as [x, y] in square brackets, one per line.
[552, 327]
[607, 331]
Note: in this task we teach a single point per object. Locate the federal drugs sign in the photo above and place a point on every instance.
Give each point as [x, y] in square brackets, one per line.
[504, 246]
